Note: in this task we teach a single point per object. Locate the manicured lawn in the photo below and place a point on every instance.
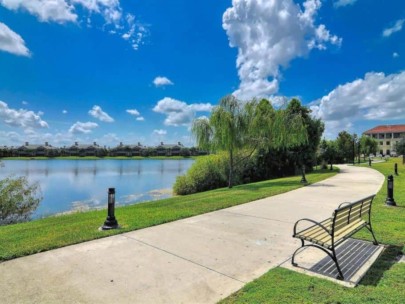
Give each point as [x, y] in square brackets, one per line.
[383, 283]
[53, 232]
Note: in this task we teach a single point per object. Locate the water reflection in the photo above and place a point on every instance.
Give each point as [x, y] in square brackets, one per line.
[69, 185]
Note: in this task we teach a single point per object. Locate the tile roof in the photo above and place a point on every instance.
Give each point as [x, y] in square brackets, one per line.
[386, 129]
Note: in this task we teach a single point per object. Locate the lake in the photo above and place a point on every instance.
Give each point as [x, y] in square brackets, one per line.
[78, 185]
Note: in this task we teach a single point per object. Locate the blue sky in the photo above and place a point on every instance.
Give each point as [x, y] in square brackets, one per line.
[115, 71]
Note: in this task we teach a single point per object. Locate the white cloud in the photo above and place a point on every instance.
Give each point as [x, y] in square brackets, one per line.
[136, 32]
[136, 113]
[178, 112]
[161, 81]
[21, 118]
[133, 112]
[82, 127]
[341, 3]
[62, 11]
[376, 97]
[269, 35]
[159, 132]
[109, 9]
[395, 28]
[64, 111]
[98, 113]
[45, 10]
[10, 138]
[109, 139]
[395, 55]
[11, 42]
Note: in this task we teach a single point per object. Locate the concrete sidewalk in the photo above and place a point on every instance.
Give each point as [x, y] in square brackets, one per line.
[196, 260]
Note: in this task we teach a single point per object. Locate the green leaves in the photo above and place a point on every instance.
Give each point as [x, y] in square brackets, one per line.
[18, 199]
[241, 128]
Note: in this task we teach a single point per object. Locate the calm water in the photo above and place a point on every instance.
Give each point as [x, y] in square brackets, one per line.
[69, 185]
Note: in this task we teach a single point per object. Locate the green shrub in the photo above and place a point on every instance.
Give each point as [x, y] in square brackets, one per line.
[18, 200]
[207, 173]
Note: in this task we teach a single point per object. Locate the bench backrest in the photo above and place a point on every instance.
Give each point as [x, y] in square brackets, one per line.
[350, 212]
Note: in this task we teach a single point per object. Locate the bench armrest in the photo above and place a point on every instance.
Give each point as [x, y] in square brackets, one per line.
[343, 204]
[312, 221]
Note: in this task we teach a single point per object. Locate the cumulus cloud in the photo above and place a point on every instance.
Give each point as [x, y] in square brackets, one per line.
[159, 132]
[375, 97]
[136, 113]
[395, 28]
[82, 127]
[61, 11]
[98, 113]
[269, 35]
[21, 118]
[56, 10]
[109, 9]
[179, 113]
[395, 55]
[341, 3]
[161, 81]
[11, 42]
[133, 112]
[64, 111]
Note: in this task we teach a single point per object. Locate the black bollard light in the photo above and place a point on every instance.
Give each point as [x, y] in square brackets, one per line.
[303, 179]
[369, 162]
[390, 192]
[396, 168]
[111, 221]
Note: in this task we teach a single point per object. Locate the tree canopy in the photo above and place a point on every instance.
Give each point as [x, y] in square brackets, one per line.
[241, 128]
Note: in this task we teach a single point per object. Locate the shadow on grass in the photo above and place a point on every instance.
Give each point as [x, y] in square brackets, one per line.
[255, 187]
[388, 258]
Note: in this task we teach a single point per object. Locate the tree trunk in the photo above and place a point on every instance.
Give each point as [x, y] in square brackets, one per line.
[230, 169]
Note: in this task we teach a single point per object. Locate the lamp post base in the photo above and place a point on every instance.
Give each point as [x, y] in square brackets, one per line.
[110, 223]
[390, 202]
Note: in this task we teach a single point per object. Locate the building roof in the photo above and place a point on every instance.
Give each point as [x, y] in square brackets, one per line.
[386, 129]
[35, 147]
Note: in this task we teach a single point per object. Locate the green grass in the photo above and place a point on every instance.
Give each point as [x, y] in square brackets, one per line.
[383, 283]
[27, 238]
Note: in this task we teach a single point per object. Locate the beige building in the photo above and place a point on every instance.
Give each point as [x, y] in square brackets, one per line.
[387, 136]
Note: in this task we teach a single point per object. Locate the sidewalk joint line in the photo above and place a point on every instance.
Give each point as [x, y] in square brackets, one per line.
[183, 258]
[255, 216]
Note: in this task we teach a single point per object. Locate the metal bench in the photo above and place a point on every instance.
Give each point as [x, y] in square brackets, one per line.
[345, 221]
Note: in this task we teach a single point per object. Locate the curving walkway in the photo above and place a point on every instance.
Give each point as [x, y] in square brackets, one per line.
[196, 260]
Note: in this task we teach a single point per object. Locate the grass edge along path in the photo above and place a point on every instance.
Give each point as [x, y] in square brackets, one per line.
[383, 283]
[58, 231]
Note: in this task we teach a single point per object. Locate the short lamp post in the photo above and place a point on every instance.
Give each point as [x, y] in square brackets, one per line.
[390, 192]
[111, 221]
[303, 179]
[354, 149]
[396, 168]
[369, 161]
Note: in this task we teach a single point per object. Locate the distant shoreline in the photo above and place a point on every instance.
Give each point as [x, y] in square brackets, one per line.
[100, 158]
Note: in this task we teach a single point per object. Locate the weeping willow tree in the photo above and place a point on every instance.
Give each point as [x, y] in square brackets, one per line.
[241, 128]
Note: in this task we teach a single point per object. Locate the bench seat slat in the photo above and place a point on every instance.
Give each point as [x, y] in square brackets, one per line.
[321, 237]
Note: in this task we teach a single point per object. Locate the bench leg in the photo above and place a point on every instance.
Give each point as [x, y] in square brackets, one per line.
[293, 256]
[372, 233]
[331, 255]
[334, 258]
